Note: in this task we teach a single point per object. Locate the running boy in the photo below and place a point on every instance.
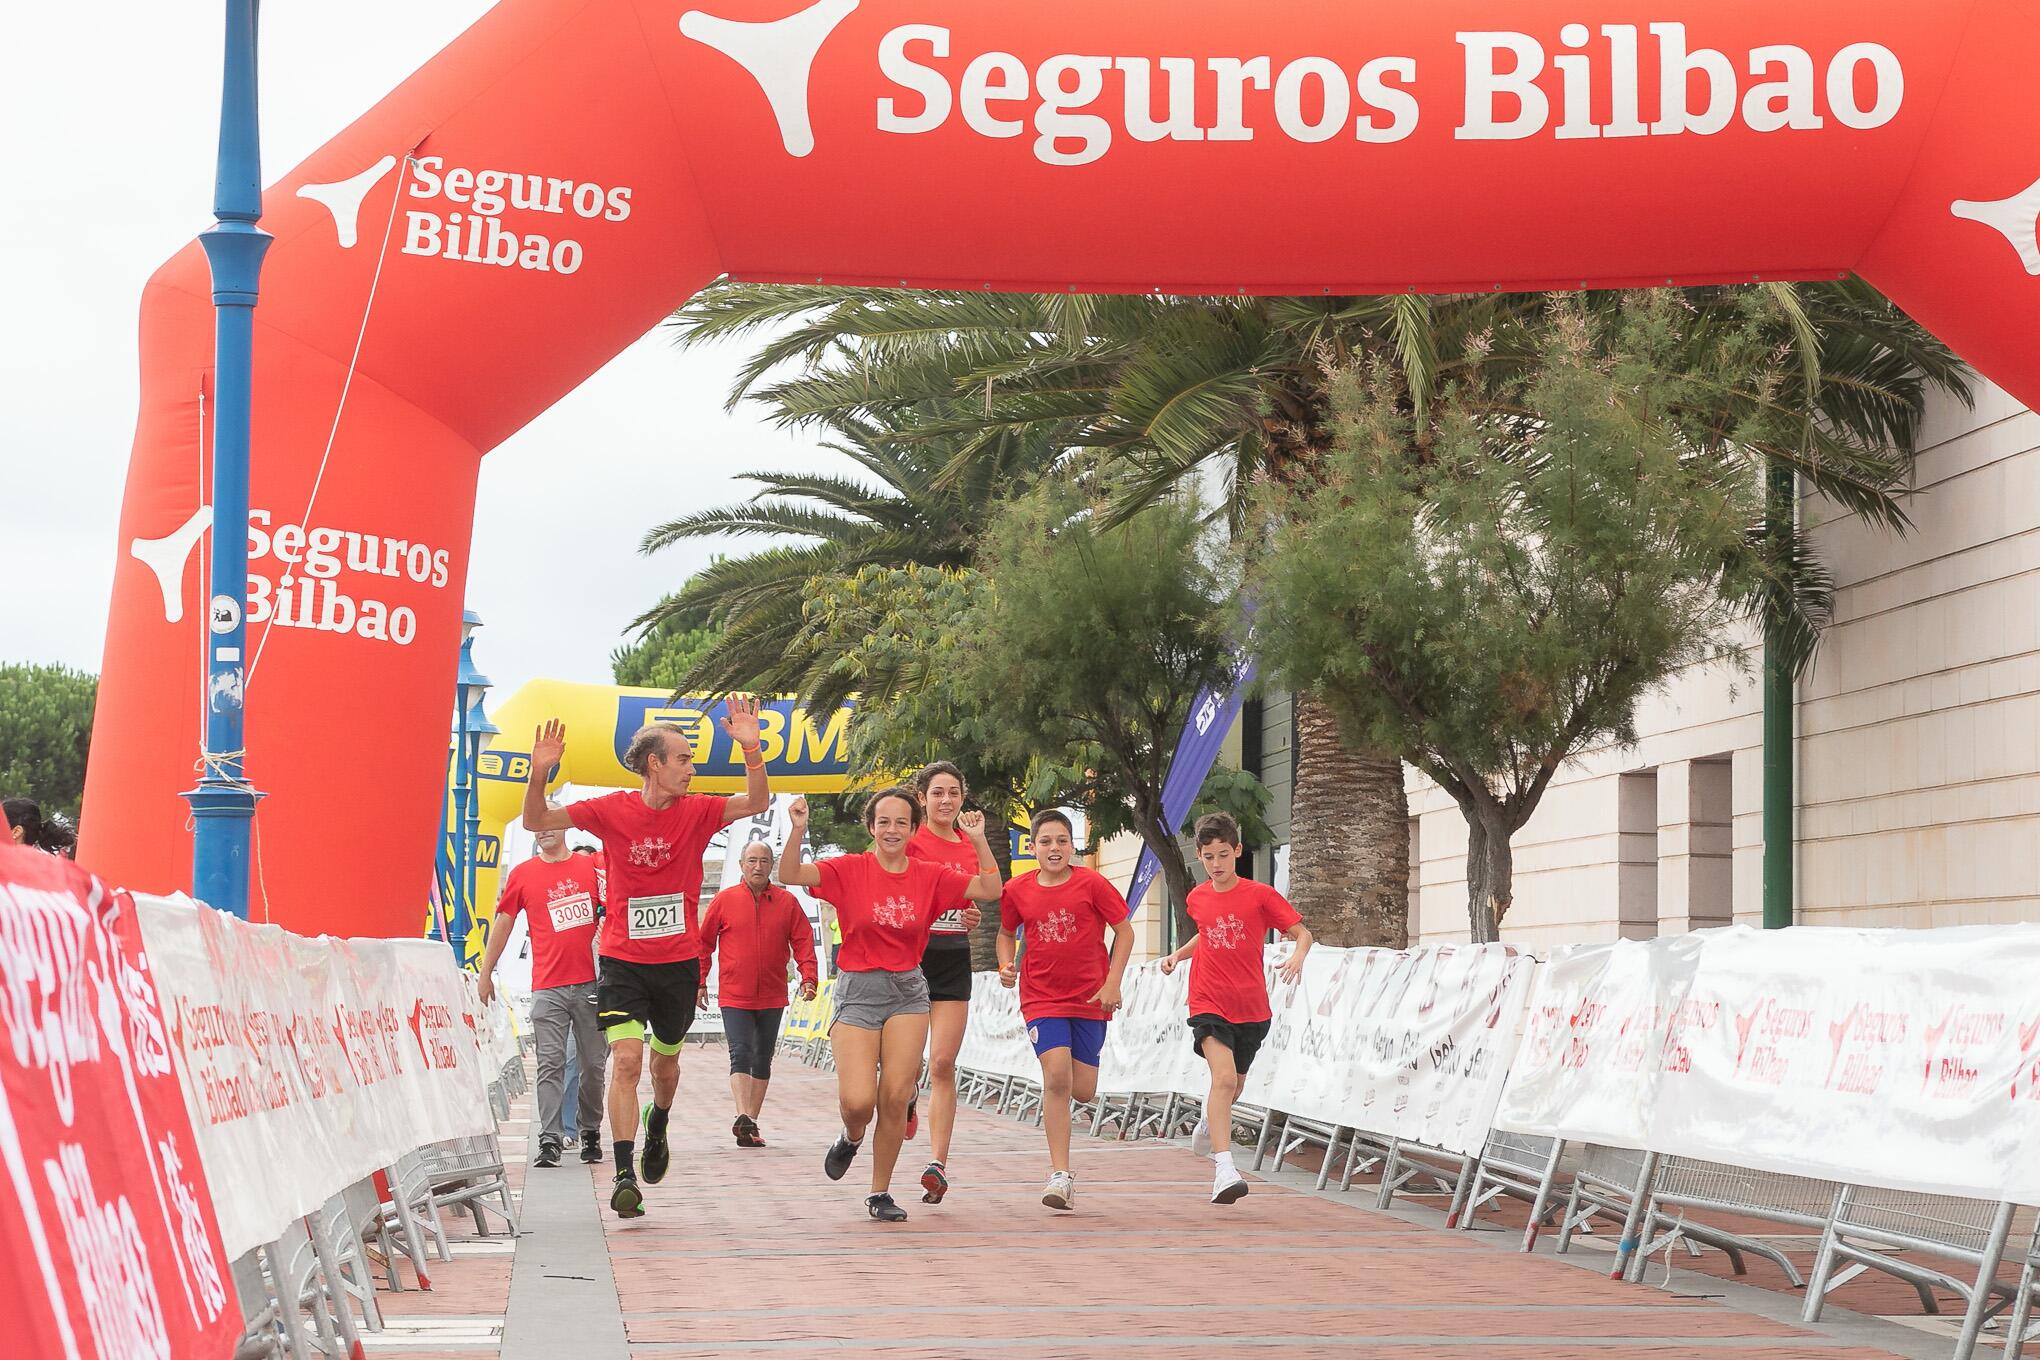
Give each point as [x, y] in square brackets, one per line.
[1228, 991]
[1068, 987]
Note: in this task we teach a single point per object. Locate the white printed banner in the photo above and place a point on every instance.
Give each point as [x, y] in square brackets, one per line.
[309, 1064]
[1596, 1043]
[995, 1037]
[1412, 1045]
[1408, 1045]
[1147, 1045]
[1908, 1059]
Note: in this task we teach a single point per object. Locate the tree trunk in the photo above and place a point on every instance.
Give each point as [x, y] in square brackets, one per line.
[1349, 840]
[984, 949]
[1175, 891]
[1490, 875]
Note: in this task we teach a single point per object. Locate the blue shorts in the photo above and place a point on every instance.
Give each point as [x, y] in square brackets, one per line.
[1085, 1039]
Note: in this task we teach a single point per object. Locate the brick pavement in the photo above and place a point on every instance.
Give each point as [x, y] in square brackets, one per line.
[753, 1252]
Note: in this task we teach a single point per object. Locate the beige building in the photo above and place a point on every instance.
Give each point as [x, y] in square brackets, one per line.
[1918, 751]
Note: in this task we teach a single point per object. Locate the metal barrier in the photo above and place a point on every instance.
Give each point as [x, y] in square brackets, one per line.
[1610, 1183]
[1683, 1183]
[1407, 1163]
[1364, 1152]
[1523, 1166]
[2016, 1335]
[1297, 1132]
[1865, 1226]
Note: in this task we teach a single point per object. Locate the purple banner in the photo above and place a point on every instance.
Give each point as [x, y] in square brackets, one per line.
[1211, 717]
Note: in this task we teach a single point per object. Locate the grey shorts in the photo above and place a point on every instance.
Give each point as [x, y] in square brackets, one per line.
[868, 1000]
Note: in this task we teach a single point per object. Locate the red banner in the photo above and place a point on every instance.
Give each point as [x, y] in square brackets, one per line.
[108, 1243]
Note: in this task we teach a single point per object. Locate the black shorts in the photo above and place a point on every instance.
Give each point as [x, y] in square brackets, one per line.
[1244, 1040]
[947, 968]
[658, 997]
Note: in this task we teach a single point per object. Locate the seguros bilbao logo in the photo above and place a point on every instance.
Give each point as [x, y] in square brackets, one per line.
[1573, 83]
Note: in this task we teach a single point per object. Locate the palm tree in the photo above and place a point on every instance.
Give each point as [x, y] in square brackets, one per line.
[1180, 388]
[908, 513]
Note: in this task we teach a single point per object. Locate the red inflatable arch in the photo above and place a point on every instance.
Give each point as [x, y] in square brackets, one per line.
[564, 174]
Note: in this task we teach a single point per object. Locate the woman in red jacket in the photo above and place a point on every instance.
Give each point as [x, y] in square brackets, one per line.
[887, 903]
[757, 926]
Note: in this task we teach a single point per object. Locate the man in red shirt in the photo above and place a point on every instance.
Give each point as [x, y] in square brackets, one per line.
[649, 978]
[1069, 988]
[759, 927]
[556, 892]
[1228, 990]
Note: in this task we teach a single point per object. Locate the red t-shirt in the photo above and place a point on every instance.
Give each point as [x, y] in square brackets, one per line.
[1226, 977]
[885, 917]
[651, 859]
[959, 855]
[558, 902]
[1066, 959]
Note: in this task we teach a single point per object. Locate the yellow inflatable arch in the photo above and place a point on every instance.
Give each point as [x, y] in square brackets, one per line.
[806, 751]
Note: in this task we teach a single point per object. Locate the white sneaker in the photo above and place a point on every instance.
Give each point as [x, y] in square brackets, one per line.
[1200, 1139]
[1061, 1192]
[1228, 1186]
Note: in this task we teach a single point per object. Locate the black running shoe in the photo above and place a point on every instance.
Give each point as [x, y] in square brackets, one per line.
[548, 1151]
[882, 1208]
[591, 1146]
[934, 1184]
[626, 1198]
[746, 1130]
[841, 1153]
[657, 1156]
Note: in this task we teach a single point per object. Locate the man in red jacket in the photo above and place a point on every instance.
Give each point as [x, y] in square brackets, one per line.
[757, 925]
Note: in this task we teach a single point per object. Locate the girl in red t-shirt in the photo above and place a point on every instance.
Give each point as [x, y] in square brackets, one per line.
[946, 965]
[886, 903]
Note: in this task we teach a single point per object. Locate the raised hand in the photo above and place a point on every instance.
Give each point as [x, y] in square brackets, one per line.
[548, 746]
[742, 721]
[972, 824]
[796, 816]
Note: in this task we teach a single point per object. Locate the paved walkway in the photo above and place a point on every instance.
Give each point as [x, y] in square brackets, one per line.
[753, 1252]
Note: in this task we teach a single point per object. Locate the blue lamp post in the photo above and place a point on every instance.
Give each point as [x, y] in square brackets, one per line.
[223, 804]
[479, 730]
[469, 685]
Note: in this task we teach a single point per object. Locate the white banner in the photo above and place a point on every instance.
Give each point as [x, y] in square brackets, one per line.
[1908, 1059]
[1412, 1045]
[1408, 1045]
[1147, 1045]
[995, 1037]
[308, 1064]
[1595, 1046]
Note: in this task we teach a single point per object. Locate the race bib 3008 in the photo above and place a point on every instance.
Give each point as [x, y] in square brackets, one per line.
[655, 918]
[568, 913]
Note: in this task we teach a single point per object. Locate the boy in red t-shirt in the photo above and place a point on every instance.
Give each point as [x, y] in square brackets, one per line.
[1228, 990]
[556, 891]
[1068, 986]
[649, 978]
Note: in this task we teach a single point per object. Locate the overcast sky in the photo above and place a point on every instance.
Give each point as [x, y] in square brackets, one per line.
[111, 117]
